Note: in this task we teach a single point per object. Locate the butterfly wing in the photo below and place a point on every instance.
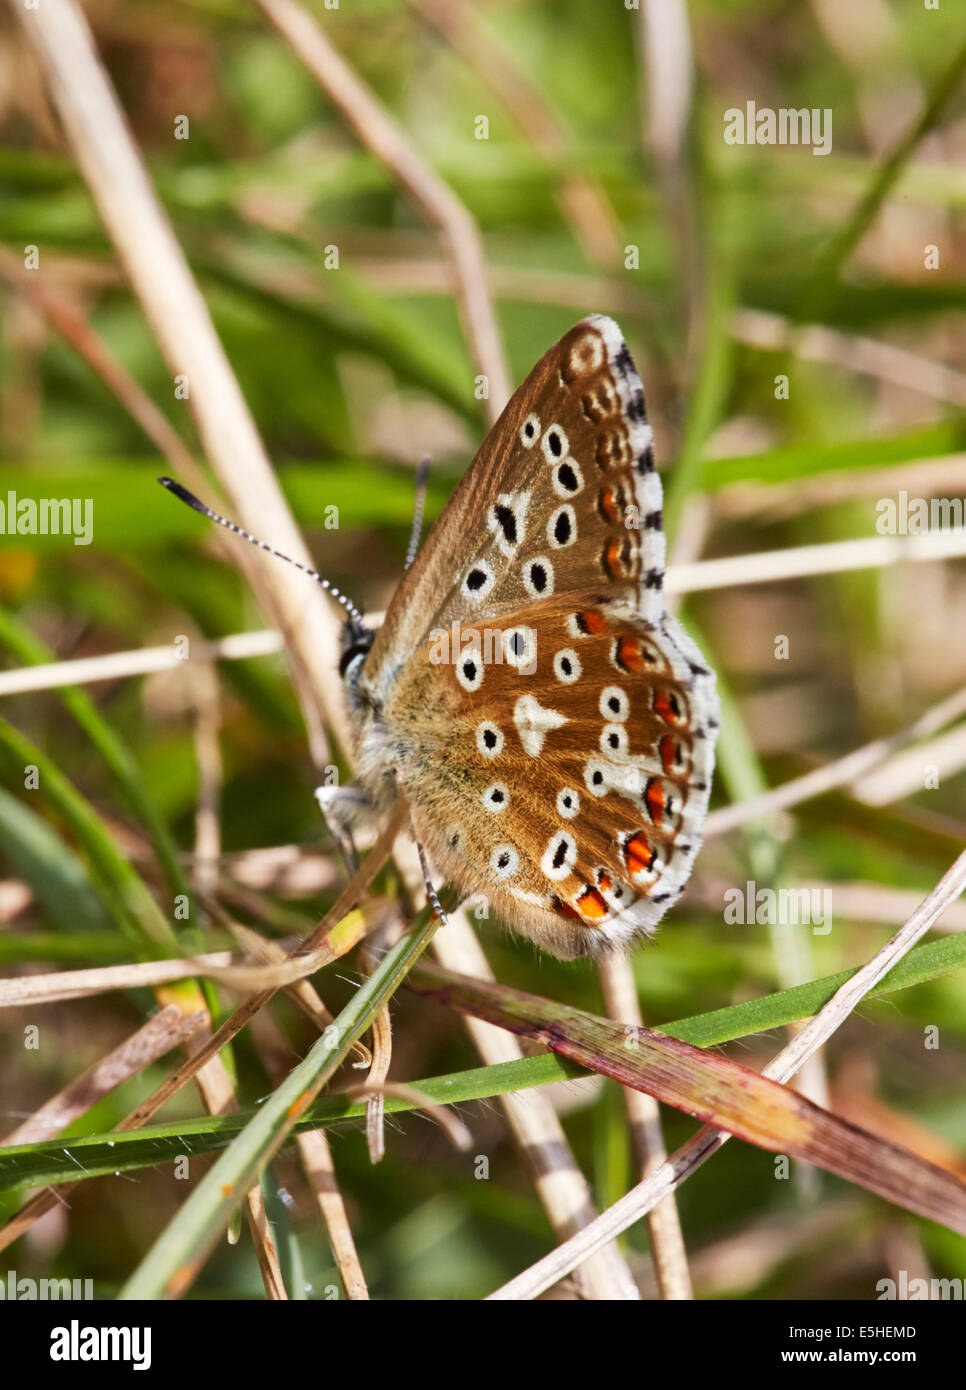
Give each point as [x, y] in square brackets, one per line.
[569, 785]
[553, 728]
[560, 475]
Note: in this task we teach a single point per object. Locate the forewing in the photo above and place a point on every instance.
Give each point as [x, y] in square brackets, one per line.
[562, 496]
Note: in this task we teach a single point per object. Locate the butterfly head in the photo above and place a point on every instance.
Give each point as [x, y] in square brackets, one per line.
[355, 640]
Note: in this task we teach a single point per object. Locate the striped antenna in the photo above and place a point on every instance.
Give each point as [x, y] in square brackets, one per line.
[194, 502]
[419, 508]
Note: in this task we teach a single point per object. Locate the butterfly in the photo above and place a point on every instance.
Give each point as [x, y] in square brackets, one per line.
[551, 726]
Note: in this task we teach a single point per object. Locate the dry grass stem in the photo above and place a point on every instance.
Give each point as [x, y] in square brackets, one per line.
[782, 1068]
[644, 1116]
[380, 133]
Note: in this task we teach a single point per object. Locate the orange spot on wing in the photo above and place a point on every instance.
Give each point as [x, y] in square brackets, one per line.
[591, 904]
[612, 559]
[629, 654]
[604, 882]
[593, 622]
[638, 853]
[608, 504]
[668, 750]
[662, 705]
[654, 796]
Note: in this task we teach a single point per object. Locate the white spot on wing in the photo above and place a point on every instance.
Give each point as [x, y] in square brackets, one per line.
[489, 739]
[614, 703]
[534, 721]
[496, 797]
[505, 861]
[566, 666]
[566, 518]
[520, 649]
[555, 444]
[586, 355]
[518, 503]
[613, 740]
[469, 670]
[530, 431]
[537, 571]
[560, 856]
[478, 582]
[562, 472]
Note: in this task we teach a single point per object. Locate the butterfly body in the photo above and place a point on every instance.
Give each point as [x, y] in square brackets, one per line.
[552, 729]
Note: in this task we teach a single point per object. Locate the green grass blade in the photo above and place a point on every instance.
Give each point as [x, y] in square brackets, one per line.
[182, 1246]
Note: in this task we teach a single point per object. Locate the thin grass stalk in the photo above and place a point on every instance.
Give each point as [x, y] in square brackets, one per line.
[173, 1261]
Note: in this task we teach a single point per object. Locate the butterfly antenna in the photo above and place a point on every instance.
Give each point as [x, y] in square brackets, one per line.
[419, 508]
[194, 502]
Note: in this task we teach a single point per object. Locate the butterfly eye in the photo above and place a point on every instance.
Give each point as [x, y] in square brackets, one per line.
[530, 431]
[538, 577]
[560, 856]
[568, 803]
[496, 797]
[566, 666]
[505, 861]
[562, 527]
[555, 444]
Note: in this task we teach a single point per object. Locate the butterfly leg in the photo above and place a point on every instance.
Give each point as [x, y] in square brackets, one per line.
[431, 893]
[341, 808]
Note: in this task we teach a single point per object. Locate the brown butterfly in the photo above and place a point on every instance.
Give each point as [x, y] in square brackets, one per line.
[552, 728]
